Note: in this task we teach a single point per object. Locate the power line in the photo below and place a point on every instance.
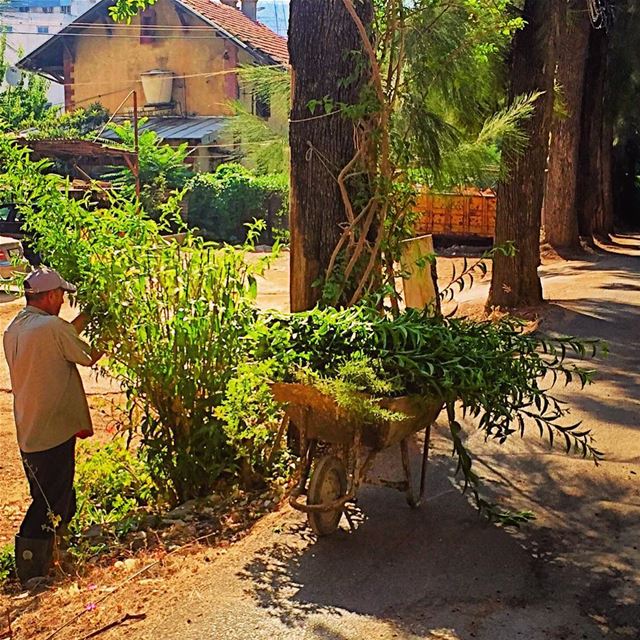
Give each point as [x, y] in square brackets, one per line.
[122, 26]
[125, 36]
[202, 74]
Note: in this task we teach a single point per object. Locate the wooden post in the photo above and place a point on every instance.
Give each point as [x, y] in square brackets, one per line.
[419, 288]
[136, 142]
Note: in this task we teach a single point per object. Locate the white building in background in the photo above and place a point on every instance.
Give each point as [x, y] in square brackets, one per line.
[29, 23]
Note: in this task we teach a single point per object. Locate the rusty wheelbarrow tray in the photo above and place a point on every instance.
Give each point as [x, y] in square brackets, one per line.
[332, 479]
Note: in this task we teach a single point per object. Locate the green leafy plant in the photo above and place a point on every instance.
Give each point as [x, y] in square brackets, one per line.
[113, 487]
[162, 167]
[79, 123]
[495, 371]
[172, 318]
[251, 420]
[24, 104]
[221, 203]
[355, 387]
[263, 142]
[7, 562]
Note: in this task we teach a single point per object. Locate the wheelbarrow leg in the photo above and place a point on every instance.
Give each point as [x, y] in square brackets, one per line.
[406, 464]
[425, 460]
[306, 468]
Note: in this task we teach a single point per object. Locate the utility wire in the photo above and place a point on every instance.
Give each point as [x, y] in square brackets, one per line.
[107, 35]
[202, 74]
[122, 26]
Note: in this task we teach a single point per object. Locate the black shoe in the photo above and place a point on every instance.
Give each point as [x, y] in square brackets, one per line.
[33, 557]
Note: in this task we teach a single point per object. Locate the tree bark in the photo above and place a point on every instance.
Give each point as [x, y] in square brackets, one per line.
[608, 211]
[515, 280]
[560, 216]
[595, 210]
[322, 39]
[626, 161]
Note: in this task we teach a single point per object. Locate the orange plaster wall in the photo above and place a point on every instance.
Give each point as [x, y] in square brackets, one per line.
[106, 68]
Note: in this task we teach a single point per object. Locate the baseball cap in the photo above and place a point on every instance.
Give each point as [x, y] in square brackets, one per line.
[45, 279]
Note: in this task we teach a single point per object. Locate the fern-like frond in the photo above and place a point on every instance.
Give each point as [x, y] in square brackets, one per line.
[506, 124]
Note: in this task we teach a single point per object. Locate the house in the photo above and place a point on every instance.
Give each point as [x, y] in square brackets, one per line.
[179, 56]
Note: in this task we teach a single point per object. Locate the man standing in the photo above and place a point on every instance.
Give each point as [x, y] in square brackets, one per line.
[50, 409]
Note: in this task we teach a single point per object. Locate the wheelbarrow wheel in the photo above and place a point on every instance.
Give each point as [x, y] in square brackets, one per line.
[328, 483]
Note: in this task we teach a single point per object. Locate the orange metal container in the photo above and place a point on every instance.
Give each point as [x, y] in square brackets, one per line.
[469, 212]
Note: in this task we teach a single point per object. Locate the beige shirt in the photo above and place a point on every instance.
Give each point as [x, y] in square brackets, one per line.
[49, 402]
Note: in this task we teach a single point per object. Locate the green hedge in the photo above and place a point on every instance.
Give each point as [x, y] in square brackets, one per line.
[222, 202]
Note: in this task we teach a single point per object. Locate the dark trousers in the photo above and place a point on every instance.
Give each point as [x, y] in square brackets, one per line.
[50, 475]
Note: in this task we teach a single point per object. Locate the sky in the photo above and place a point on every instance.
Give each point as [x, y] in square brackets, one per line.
[275, 14]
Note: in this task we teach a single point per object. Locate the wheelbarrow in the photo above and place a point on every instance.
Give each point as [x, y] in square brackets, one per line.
[337, 448]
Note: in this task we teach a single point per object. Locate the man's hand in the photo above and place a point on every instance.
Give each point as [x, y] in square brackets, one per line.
[85, 433]
[96, 354]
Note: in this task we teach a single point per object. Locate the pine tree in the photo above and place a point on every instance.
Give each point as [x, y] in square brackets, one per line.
[560, 215]
[515, 281]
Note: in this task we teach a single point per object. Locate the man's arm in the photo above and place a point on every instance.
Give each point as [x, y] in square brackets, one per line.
[80, 322]
[75, 349]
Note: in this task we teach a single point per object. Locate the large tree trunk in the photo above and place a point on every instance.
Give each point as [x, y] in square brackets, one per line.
[608, 209]
[560, 216]
[595, 211]
[515, 280]
[322, 39]
[626, 162]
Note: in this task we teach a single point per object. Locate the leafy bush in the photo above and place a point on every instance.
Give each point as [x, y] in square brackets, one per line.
[7, 562]
[26, 103]
[173, 319]
[221, 203]
[162, 168]
[71, 125]
[251, 417]
[112, 486]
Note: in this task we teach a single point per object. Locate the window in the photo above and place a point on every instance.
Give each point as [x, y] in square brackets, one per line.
[47, 9]
[24, 9]
[43, 29]
[66, 10]
[6, 28]
[147, 22]
[262, 106]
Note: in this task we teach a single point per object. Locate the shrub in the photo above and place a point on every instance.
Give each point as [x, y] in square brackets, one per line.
[172, 319]
[162, 168]
[221, 203]
[7, 562]
[112, 486]
[250, 417]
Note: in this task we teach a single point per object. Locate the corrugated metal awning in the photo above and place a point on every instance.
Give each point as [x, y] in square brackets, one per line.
[205, 129]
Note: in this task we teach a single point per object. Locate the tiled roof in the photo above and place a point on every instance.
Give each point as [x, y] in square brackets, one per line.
[254, 34]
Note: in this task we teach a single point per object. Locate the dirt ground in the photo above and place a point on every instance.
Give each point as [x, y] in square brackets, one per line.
[435, 573]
